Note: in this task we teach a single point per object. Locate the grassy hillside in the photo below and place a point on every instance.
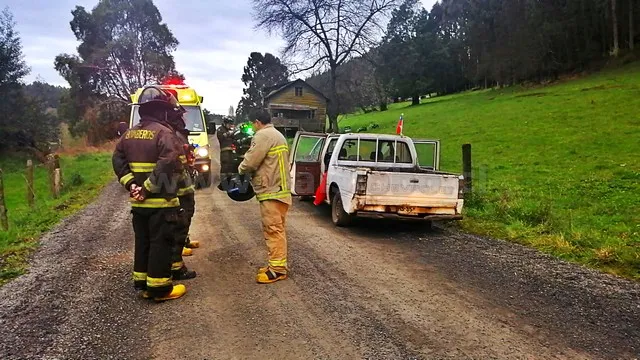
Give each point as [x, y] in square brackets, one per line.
[558, 167]
[83, 175]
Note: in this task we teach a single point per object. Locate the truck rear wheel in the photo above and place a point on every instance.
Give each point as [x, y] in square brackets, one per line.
[339, 217]
[207, 179]
[203, 180]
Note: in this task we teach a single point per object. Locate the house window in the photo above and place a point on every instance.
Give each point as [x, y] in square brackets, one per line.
[298, 90]
[312, 114]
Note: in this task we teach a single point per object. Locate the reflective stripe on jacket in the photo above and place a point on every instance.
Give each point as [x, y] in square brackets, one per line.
[147, 155]
[268, 160]
[185, 183]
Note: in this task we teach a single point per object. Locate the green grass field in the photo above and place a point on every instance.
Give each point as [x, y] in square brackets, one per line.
[556, 168]
[84, 177]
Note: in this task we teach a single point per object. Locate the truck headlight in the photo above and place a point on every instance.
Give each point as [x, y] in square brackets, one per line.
[203, 152]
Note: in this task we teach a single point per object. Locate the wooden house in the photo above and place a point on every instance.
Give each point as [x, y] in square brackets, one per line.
[296, 106]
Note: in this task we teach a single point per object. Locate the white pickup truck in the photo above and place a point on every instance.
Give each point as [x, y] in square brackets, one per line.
[376, 175]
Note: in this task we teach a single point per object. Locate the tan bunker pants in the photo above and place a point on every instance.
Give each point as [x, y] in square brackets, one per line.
[274, 213]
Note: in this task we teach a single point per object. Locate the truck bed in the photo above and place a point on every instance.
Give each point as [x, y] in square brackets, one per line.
[414, 193]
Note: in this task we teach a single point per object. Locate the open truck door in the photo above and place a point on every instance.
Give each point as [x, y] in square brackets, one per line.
[305, 161]
[428, 153]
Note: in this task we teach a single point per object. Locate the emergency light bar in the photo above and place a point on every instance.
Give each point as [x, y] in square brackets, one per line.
[173, 81]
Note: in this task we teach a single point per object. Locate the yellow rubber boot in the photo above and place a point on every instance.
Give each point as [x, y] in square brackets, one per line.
[269, 276]
[187, 251]
[193, 244]
[177, 292]
[263, 269]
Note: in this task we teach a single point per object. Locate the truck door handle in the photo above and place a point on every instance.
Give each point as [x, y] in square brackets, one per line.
[414, 181]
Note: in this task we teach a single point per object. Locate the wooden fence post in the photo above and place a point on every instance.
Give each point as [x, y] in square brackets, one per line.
[4, 221]
[30, 187]
[50, 170]
[56, 161]
[56, 182]
[466, 169]
[53, 167]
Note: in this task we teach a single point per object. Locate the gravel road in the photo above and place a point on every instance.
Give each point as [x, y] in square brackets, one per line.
[379, 290]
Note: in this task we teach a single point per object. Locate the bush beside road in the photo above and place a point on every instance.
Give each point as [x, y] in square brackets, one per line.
[84, 177]
[556, 167]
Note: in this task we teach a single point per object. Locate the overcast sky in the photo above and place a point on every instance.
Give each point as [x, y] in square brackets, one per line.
[216, 38]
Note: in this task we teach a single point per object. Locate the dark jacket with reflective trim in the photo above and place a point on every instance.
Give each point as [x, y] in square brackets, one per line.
[185, 184]
[148, 155]
[225, 138]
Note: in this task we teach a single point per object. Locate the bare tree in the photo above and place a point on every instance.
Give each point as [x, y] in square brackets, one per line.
[123, 45]
[614, 16]
[324, 34]
[631, 34]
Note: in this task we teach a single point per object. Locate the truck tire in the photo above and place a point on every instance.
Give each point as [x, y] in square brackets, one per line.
[339, 217]
[427, 225]
[204, 180]
[207, 179]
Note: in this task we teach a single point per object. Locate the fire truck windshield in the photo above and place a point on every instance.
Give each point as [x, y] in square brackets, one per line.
[193, 118]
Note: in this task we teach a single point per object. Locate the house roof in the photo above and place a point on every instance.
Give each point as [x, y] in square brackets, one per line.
[281, 87]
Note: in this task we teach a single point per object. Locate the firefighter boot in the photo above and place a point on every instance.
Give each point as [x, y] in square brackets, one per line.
[267, 276]
[177, 292]
[192, 244]
[187, 251]
[183, 274]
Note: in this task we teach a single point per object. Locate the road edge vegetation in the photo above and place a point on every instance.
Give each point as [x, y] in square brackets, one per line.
[84, 177]
[554, 164]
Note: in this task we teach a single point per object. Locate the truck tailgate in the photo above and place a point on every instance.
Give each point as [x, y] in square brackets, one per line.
[412, 190]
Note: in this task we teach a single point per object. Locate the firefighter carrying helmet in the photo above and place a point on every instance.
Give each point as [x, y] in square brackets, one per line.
[238, 187]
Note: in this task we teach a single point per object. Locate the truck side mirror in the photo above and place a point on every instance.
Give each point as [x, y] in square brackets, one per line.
[122, 128]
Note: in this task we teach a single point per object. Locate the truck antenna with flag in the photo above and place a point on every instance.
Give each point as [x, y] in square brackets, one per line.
[400, 125]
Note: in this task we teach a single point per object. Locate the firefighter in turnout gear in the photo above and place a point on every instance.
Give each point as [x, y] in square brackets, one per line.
[186, 197]
[267, 161]
[225, 138]
[186, 193]
[146, 162]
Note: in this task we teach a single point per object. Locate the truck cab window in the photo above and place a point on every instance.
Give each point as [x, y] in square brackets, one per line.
[390, 151]
[309, 148]
[367, 149]
[386, 151]
[193, 118]
[349, 150]
[329, 152]
[403, 155]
